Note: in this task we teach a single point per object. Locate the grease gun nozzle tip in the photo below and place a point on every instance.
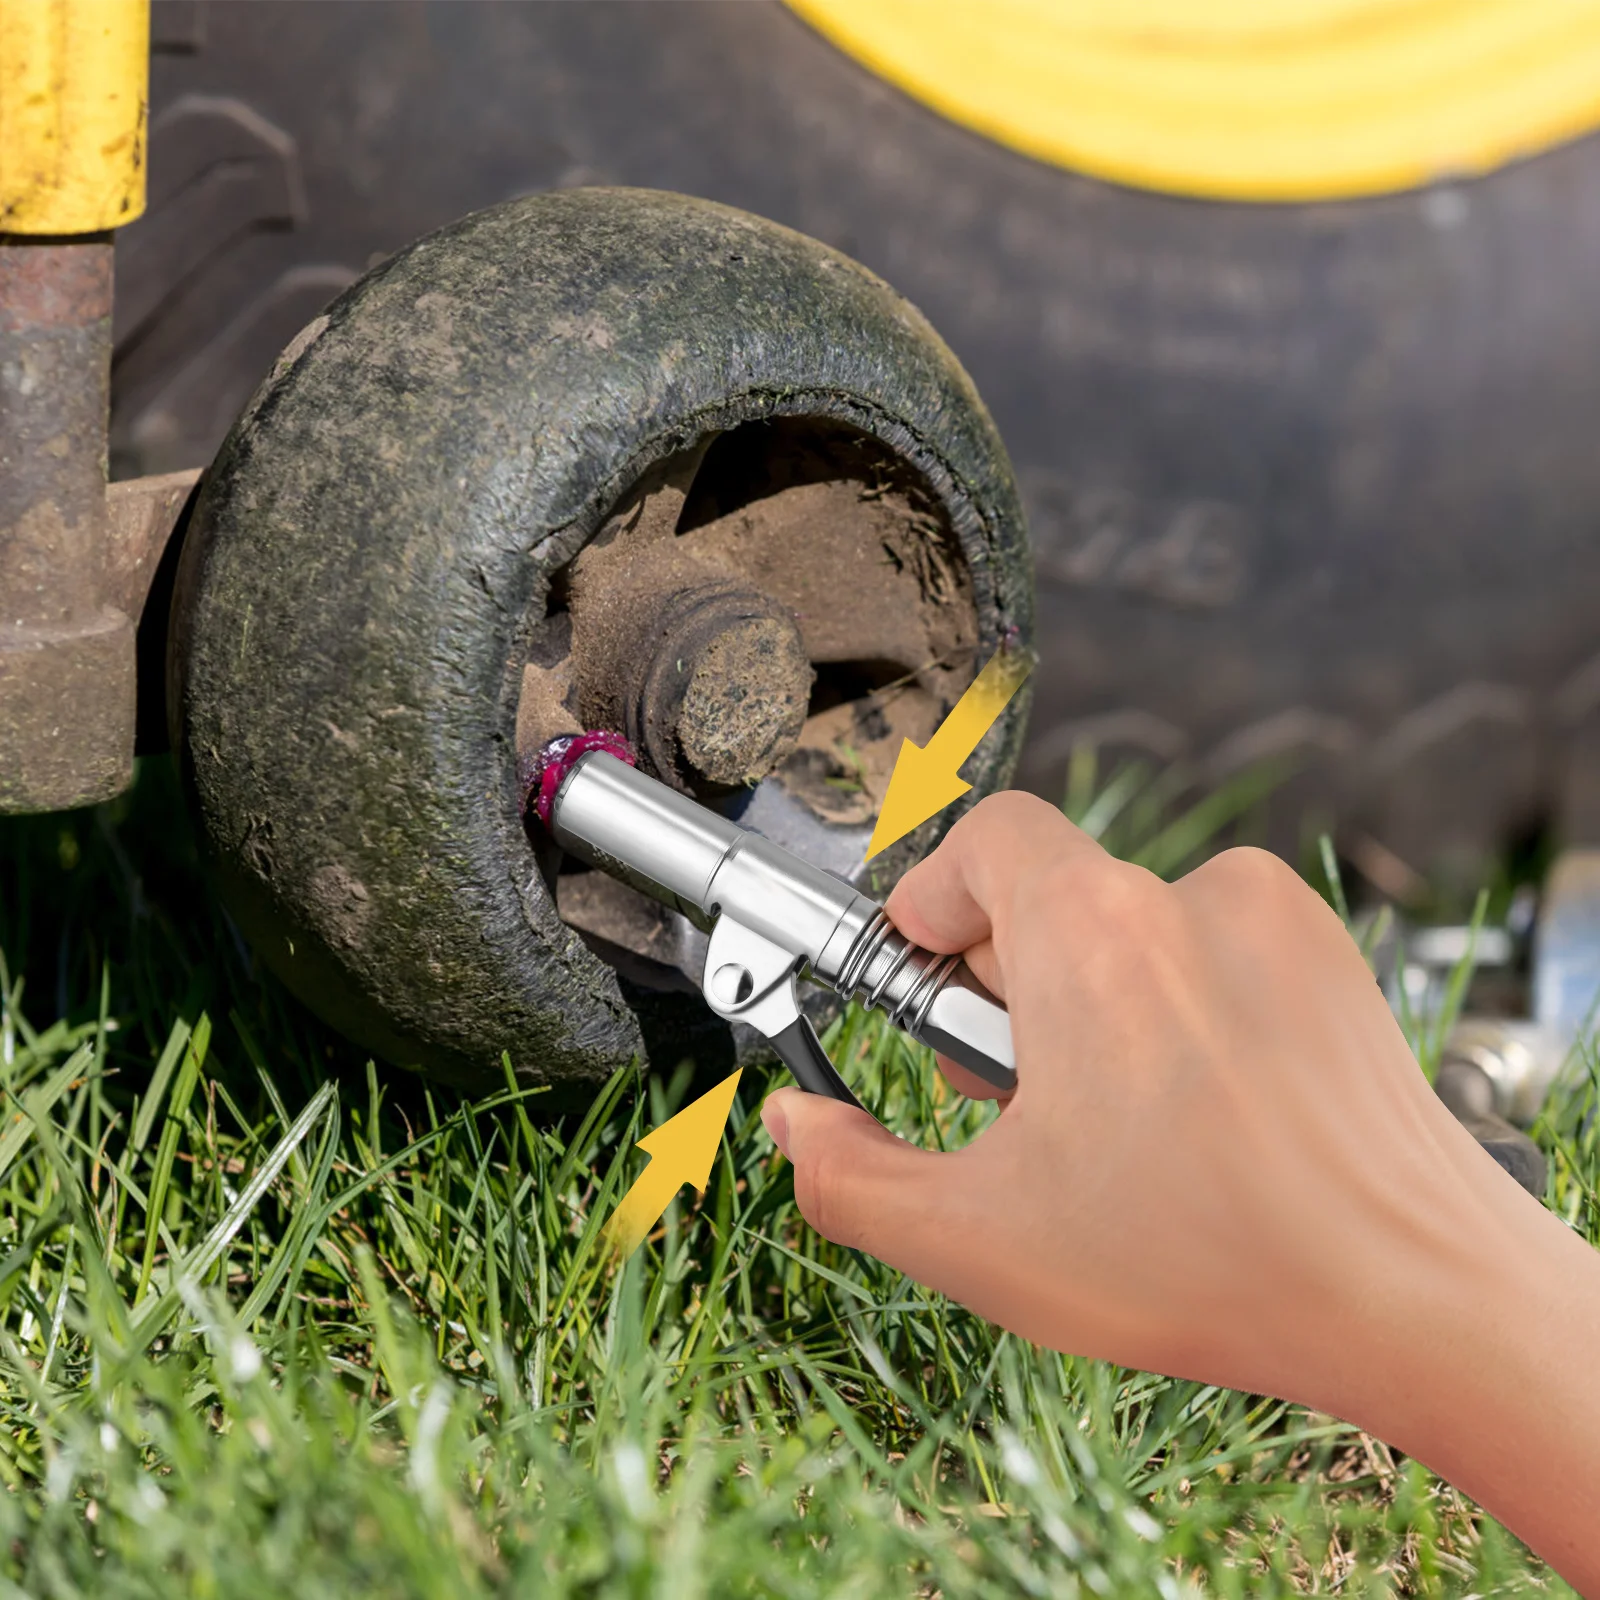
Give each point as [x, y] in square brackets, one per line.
[542, 777]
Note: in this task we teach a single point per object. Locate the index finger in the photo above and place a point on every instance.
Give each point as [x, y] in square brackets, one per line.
[948, 901]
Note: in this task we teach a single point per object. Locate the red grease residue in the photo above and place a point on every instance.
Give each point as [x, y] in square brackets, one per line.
[559, 757]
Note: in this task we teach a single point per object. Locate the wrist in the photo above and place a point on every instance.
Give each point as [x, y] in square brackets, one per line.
[1485, 1319]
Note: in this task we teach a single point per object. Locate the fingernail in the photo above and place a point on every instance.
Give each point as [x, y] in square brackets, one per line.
[776, 1121]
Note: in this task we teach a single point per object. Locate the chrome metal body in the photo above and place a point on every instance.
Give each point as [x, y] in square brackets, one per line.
[773, 914]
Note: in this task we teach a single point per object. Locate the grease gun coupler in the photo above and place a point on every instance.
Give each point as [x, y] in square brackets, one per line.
[772, 916]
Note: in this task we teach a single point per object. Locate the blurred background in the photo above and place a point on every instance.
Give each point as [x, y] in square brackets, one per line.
[1287, 315]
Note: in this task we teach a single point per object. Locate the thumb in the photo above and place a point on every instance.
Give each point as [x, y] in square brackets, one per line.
[854, 1181]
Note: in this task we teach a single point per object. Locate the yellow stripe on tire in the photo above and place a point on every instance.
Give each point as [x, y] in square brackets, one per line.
[1243, 99]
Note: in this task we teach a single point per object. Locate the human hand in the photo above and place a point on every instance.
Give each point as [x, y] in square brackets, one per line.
[1221, 1160]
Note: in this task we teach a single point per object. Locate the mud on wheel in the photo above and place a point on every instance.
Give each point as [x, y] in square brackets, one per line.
[596, 458]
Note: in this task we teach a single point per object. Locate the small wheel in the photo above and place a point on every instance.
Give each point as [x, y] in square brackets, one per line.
[593, 458]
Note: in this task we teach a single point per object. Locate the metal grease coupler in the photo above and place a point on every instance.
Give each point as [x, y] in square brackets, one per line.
[772, 915]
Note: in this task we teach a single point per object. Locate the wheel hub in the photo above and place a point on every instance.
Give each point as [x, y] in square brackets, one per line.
[765, 617]
[706, 676]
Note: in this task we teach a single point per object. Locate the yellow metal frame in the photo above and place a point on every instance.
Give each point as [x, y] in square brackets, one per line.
[74, 92]
[1243, 99]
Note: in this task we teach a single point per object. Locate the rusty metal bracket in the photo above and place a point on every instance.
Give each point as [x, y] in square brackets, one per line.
[141, 514]
[66, 654]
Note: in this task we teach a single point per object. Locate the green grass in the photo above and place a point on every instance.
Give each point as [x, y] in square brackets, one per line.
[274, 1321]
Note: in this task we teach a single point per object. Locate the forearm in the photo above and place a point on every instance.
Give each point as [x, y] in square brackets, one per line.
[1493, 1375]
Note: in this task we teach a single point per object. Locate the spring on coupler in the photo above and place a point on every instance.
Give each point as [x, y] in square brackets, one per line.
[886, 972]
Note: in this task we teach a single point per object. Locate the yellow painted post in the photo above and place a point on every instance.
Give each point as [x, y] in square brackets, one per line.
[74, 84]
[74, 93]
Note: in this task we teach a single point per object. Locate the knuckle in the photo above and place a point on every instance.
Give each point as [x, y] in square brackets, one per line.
[1263, 893]
[1113, 893]
[1014, 811]
[1008, 803]
[1247, 870]
[1111, 914]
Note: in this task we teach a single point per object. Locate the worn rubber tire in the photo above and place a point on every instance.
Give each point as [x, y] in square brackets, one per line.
[370, 551]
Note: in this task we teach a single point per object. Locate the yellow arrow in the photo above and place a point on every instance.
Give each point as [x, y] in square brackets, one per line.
[926, 777]
[681, 1151]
